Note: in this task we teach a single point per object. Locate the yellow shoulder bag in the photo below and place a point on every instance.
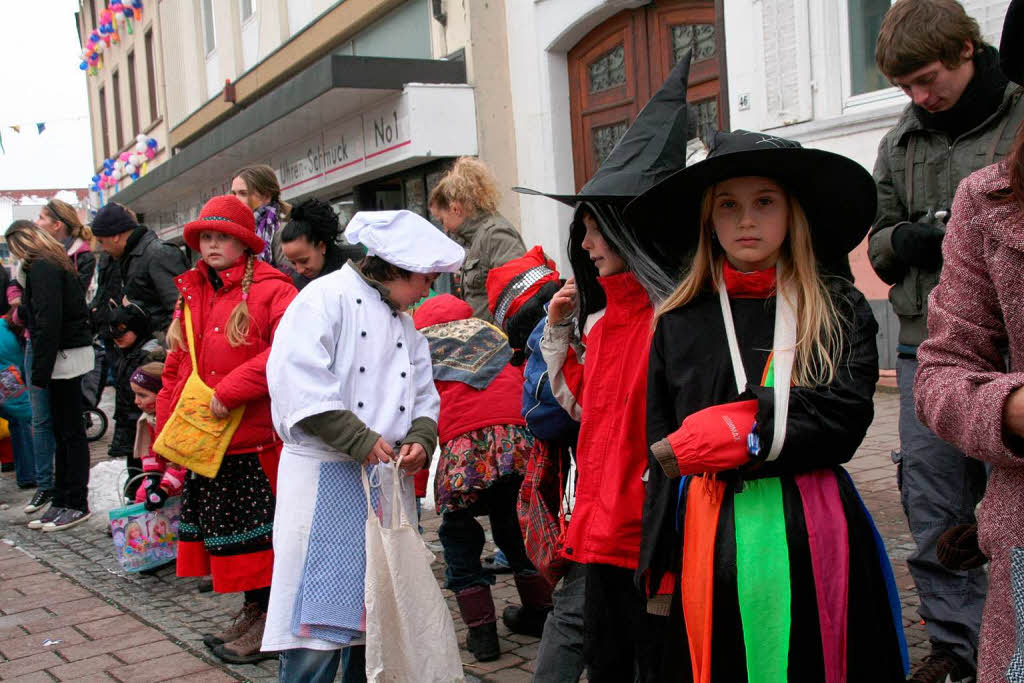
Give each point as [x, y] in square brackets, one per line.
[192, 436]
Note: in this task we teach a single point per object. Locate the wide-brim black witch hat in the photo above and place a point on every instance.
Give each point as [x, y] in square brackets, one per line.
[651, 149]
[836, 193]
[1011, 47]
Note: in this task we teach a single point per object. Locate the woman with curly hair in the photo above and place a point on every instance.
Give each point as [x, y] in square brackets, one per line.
[311, 242]
[466, 202]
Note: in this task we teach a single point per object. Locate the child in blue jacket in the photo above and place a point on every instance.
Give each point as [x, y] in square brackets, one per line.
[17, 410]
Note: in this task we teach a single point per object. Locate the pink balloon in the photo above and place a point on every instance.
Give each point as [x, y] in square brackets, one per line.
[150, 153]
[125, 156]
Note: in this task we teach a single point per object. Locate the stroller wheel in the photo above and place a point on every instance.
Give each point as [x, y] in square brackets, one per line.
[95, 423]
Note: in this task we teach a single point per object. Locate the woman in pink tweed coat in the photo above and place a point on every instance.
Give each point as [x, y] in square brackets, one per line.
[968, 393]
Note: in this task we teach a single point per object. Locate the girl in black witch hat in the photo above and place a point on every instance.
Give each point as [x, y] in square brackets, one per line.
[761, 376]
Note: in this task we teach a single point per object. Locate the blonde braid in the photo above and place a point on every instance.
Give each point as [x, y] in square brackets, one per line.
[239, 322]
[175, 337]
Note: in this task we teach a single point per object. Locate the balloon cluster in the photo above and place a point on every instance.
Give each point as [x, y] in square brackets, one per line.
[118, 15]
[131, 164]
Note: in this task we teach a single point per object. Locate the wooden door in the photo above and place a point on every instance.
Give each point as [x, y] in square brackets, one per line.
[614, 70]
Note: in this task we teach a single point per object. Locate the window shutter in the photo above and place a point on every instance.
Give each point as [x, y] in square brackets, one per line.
[785, 41]
[989, 14]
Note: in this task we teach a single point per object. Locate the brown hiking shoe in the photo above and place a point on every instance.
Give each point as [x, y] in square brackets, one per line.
[246, 650]
[241, 624]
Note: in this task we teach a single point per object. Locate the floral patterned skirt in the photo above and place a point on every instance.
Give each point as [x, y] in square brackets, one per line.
[470, 463]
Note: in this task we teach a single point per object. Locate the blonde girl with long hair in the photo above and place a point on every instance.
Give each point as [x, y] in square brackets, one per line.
[762, 371]
[465, 202]
[58, 354]
[60, 220]
[233, 302]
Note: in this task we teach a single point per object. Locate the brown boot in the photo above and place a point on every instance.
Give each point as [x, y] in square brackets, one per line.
[535, 593]
[241, 624]
[246, 650]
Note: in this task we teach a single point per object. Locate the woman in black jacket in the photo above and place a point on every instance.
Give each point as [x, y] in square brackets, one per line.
[61, 221]
[53, 307]
[310, 242]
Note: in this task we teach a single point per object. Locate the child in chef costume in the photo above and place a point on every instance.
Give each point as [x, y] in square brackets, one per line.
[351, 385]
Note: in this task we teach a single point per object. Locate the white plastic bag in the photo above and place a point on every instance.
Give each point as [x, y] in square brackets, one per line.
[106, 480]
[409, 631]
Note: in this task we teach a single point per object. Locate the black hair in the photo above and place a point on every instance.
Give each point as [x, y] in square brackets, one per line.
[315, 220]
[589, 293]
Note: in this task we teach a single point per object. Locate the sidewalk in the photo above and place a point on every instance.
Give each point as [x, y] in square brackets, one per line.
[133, 627]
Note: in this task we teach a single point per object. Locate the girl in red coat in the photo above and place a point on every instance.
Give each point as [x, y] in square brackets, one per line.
[484, 448]
[236, 302]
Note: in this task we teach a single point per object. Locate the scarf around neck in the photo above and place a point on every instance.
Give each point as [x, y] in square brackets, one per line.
[267, 224]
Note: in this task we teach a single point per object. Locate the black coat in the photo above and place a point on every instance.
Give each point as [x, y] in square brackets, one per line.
[54, 309]
[128, 360]
[85, 266]
[148, 269]
[689, 372]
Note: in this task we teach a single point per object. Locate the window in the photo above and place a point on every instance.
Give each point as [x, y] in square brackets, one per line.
[104, 126]
[92, 15]
[247, 9]
[151, 76]
[208, 28]
[133, 97]
[115, 86]
[864, 22]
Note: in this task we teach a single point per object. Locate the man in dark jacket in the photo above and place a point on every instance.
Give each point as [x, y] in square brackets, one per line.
[963, 116]
[147, 268]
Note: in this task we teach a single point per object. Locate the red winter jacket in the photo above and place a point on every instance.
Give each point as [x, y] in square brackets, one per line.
[611, 454]
[463, 408]
[238, 375]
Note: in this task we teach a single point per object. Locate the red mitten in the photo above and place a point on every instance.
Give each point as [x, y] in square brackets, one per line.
[710, 440]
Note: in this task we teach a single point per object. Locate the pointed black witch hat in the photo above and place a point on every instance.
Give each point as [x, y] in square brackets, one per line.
[652, 149]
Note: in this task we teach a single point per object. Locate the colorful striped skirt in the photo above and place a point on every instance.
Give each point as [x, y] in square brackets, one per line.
[782, 579]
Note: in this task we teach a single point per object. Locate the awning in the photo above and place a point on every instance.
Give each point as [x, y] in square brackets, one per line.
[366, 115]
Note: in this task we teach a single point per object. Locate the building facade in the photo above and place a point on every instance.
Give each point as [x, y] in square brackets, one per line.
[361, 103]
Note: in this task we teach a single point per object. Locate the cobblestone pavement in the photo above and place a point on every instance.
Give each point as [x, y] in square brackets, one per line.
[68, 587]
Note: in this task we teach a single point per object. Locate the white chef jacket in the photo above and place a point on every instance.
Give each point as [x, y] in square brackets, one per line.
[339, 346]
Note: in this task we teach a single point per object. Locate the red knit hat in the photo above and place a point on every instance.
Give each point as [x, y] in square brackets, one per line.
[511, 285]
[226, 214]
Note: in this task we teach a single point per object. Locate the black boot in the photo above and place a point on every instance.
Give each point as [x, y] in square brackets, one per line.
[535, 593]
[477, 610]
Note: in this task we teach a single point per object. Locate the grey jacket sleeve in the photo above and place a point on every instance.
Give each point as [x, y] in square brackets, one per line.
[891, 214]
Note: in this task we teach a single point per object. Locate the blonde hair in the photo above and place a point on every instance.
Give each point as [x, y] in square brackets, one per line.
[66, 214]
[261, 178]
[471, 184]
[239, 322]
[29, 243]
[819, 336]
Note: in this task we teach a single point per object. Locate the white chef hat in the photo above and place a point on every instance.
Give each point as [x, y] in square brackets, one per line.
[405, 239]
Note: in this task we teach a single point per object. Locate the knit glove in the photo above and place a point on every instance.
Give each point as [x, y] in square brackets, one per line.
[918, 244]
[958, 549]
[156, 496]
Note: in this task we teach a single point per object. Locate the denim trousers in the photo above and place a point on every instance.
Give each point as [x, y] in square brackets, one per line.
[303, 665]
[21, 444]
[560, 656]
[939, 488]
[43, 442]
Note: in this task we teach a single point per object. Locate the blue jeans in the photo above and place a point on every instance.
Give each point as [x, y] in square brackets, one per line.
[321, 666]
[939, 488]
[43, 442]
[21, 444]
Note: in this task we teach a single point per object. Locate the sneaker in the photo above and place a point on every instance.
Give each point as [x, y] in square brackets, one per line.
[941, 666]
[241, 624]
[51, 514]
[246, 650]
[41, 498]
[68, 518]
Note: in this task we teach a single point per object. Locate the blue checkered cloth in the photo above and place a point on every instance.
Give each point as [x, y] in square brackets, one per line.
[329, 604]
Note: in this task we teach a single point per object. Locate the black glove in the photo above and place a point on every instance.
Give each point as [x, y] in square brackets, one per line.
[957, 548]
[156, 496]
[918, 244]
